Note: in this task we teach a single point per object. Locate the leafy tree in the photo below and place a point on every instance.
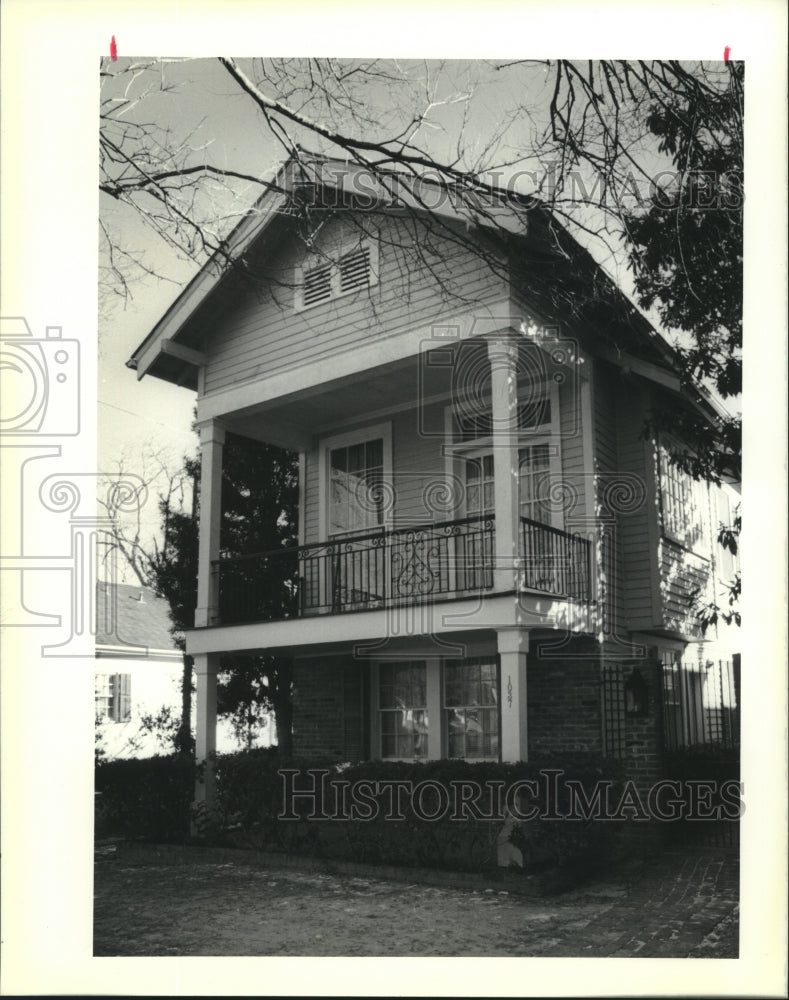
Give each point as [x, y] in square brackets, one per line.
[259, 515]
[686, 251]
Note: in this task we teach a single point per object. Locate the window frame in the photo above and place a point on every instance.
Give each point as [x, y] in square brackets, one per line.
[346, 439]
[437, 727]
[379, 711]
[117, 692]
[458, 452]
[686, 500]
[445, 709]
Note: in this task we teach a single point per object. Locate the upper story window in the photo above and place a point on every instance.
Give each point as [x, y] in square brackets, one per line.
[685, 505]
[725, 510]
[539, 458]
[328, 278]
[532, 416]
[356, 502]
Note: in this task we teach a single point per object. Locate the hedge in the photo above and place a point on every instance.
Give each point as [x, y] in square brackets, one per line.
[434, 828]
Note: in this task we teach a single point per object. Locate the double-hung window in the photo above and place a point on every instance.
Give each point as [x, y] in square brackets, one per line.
[438, 708]
[402, 710]
[471, 709]
[684, 504]
[356, 477]
[349, 570]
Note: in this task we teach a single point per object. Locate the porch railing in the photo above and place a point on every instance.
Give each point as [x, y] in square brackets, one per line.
[555, 562]
[388, 568]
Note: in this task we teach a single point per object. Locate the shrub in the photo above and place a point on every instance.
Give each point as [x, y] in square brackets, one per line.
[251, 788]
[150, 799]
[145, 799]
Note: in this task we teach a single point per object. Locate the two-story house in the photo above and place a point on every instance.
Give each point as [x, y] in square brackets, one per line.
[494, 562]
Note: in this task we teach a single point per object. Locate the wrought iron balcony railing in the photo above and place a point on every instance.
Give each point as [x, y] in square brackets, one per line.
[389, 568]
[555, 562]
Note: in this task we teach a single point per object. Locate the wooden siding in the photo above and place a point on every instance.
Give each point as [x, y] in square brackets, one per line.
[572, 450]
[639, 563]
[607, 386]
[681, 574]
[264, 333]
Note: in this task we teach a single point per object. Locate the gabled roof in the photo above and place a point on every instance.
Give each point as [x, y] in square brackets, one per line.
[132, 621]
[565, 283]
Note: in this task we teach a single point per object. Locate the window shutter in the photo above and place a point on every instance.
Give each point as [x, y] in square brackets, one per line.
[125, 697]
[115, 698]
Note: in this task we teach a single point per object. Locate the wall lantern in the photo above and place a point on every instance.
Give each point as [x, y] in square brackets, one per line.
[636, 695]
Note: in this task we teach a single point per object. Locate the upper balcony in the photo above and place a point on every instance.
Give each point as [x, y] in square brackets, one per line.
[396, 568]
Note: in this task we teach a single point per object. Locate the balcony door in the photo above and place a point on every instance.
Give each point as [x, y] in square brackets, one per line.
[355, 482]
[540, 519]
[356, 502]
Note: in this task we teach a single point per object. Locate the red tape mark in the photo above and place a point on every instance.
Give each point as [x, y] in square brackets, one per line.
[114, 49]
[726, 53]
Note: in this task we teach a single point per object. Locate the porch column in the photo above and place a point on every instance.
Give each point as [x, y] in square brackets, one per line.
[503, 357]
[206, 667]
[212, 439]
[513, 645]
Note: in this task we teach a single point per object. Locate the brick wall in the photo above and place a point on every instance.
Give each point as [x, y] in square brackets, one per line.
[643, 743]
[327, 709]
[563, 697]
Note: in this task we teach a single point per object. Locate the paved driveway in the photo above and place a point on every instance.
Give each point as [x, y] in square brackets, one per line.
[193, 902]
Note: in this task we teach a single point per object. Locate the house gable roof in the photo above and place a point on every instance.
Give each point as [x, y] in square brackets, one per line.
[564, 282]
[132, 621]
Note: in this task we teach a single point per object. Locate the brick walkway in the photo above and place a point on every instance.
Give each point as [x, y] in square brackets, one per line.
[681, 906]
[154, 901]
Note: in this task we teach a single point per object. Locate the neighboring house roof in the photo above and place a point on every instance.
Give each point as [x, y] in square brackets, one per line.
[551, 256]
[132, 622]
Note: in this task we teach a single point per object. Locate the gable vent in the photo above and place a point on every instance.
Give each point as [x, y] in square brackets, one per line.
[317, 285]
[355, 270]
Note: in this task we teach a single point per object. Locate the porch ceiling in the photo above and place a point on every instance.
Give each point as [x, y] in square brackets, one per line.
[342, 401]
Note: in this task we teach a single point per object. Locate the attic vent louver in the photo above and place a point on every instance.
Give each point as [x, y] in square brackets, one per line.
[352, 271]
[317, 285]
[355, 270]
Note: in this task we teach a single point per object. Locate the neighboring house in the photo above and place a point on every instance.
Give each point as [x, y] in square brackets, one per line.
[138, 672]
[494, 563]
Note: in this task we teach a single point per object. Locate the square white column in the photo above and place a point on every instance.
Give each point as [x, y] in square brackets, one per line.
[513, 644]
[212, 439]
[206, 666]
[503, 357]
